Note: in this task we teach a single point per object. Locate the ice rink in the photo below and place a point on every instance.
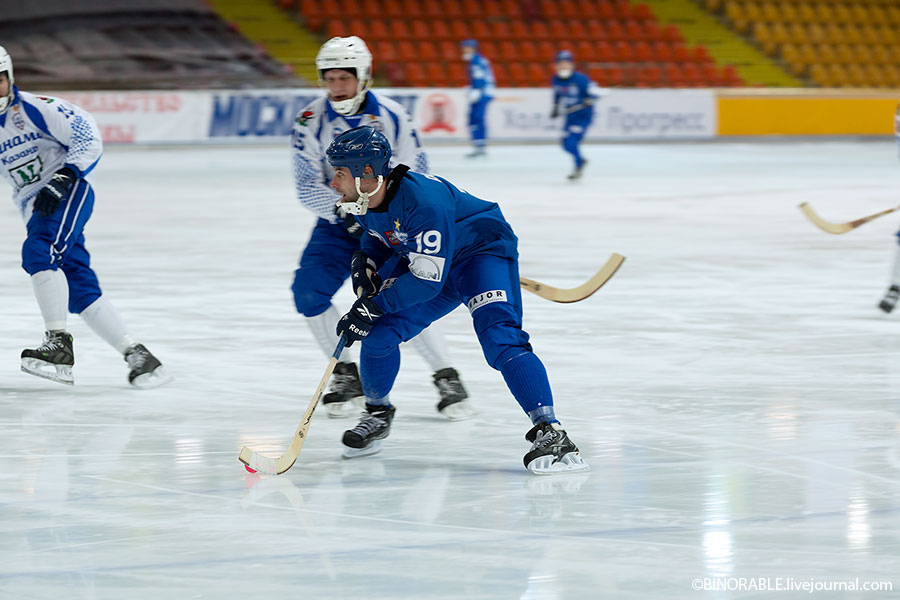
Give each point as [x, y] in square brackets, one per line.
[734, 389]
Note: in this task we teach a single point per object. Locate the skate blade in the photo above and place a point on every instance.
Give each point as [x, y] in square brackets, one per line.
[571, 462]
[460, 411]
[151, 380]
[341, 410]
[372, 448]
[39, 368]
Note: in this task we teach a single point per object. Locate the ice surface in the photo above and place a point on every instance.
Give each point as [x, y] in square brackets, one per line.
[734, 389]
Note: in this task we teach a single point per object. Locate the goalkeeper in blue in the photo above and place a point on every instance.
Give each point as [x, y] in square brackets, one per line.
[574, 96]
[345, 70]
[49, 149]
[428, 248]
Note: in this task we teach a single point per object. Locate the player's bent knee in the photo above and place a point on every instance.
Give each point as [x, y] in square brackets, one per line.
[78, 303]
[381, 341]
[308, 300]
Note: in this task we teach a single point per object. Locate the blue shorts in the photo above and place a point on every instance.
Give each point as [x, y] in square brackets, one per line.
[489, 286]
[57, 242]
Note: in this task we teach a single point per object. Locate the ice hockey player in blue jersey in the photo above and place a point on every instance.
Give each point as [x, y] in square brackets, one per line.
[345, 70]
[453, 248]
[890, 299]
[48, 150]
[481, 92]
[573, 97]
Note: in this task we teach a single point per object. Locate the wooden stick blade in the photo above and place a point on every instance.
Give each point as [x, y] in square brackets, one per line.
[579, 293]
[838, 228]
[832, 228]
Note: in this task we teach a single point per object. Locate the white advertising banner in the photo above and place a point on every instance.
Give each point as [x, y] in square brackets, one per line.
[439, 114]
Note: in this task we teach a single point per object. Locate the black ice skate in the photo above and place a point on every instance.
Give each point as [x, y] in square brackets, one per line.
[453, 404]
[53, 359]
[146, 371]
[366, 438]
[890, 299]
[345, 386]
[576, 174]
[552, 451]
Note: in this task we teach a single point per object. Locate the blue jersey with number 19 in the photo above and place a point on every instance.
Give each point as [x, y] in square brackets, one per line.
[433, 225]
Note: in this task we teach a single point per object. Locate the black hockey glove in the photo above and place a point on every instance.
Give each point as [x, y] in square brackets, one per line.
[353, 228]
[47, 200]
[366, 280]
[555, 112]
[358, 322]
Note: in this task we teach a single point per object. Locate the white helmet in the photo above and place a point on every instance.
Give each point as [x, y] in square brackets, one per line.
[346, 53]
[6, 65]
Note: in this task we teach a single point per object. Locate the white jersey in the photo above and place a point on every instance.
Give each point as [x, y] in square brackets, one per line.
[316, 127]
[40, 135]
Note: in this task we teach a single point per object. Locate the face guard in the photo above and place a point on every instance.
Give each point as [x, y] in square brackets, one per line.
[7, 66]
[349, 54]
[357, 149]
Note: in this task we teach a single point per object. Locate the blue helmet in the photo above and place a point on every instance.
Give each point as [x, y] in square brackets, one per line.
[469, 43]
[358, 147]
[564, 55]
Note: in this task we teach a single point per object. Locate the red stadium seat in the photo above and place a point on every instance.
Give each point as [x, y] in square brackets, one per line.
[440, 30]
[546, 51]
[539, 75]
[426, 50]
[540, 31]
[585, 52]
[420, 30]
[520, 30]
[500, 30]
[528, 51]
[437, 74]
[457, 73]
[518, 75]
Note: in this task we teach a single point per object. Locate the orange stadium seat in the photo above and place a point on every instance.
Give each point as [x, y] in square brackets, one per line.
[662, 52]
[517, 75]
[577, 30]
[642, 51]
[459, 30]
[671, 34]
[508, 51]
[510, 9]
[558, 30]
[605, 52]
[385, 52]
[420, 30]
[490, 50]
[500, 30]
[440, 30]
[674, 75]
[634, 31]
[437, 74]
[457, 74]
[643, 12]
[427, 50]
[519, 30]
[540, 31]
[649, 76]
[480, 30]
[585, 51]
[615, 31]
[624, 52]
[538, 75]
[546, 51]
[407, 51]
[501, 75]
[652, 31]
[448, 50]
[527, 51]
[415, 74]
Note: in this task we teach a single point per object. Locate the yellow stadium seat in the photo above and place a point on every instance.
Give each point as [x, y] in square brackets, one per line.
[880, 55]
[852, 35]
[797, 34]
[789, 13]
[824, 13]
[893, 14]
[860, 14]
[874, 76]
[753, 12]
[869, 34]
[887, 34]
[844, 54]
[863, 54]
[892, 75]
[855, 76]
[895, 54]
[770, 13]
[842, 14]
[816, 33]
[820, 75]
[808, 54]
[826, 54]
[807, 13]
[879, 14]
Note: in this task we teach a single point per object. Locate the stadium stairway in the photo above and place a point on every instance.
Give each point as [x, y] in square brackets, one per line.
[700, 27]
[265, 24]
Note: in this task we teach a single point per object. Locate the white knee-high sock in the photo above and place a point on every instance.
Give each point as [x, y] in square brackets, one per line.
[430, 343]
[323, 329]
[105, 320]
[51, 290]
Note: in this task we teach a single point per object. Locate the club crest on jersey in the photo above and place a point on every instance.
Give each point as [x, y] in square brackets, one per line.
[17, 119]
[303, 118]
[426, 266]
[396, 237]
[484, 298]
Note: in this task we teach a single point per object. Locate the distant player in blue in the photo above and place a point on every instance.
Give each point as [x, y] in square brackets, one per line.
[481, 78]
[453, 248]
[49, 149]
[573, 97]
[892, 296]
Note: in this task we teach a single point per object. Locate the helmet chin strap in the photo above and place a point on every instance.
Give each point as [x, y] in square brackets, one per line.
[362, 203]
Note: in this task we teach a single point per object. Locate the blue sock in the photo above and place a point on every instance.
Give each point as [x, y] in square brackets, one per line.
[378, 374]
[526, 378]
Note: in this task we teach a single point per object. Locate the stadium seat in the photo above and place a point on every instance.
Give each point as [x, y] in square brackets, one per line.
[528, 51]
[538, 75]
[585, 51]
[426, 51]
[616, 32]
[674, 75]
[577, 30]
[440, 30]
[415, 75]
[437, 74]
[546, 51]
[420, 30]
[520, 30]
[449, 51]
[500, 30]
[649, 76]
[662, 52]
[642, 52]
[605, 52]
[540, 31]
[457, 74]
[624, 52]
[517, 75]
